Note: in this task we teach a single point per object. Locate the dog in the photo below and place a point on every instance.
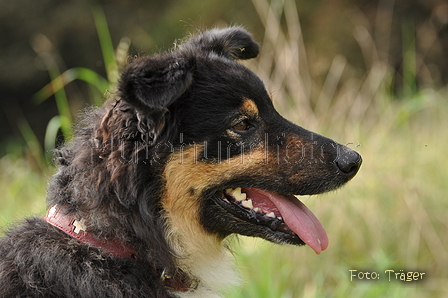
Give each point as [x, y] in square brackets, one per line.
[188, 152]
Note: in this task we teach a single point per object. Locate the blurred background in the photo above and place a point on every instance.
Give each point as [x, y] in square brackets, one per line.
[371, 74]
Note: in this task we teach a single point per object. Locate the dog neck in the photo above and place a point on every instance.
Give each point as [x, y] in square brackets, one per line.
[209, 259]
[57, 216]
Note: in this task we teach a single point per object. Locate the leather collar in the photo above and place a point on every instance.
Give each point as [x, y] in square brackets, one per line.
[58, 217]
[75, 227]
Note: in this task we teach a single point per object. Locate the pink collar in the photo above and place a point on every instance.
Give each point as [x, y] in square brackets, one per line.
[73, 226]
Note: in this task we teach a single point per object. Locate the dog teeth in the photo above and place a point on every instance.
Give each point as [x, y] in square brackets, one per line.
[247, 204]
[270, 214]
[237, 194]
[241, 197]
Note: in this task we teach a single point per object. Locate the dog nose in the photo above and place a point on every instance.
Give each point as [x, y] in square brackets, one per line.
[349, 161]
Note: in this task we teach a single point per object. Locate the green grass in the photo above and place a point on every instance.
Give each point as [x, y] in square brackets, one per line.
[392, 216]
[23, 189]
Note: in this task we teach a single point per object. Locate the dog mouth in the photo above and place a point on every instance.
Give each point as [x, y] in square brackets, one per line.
[283, 214]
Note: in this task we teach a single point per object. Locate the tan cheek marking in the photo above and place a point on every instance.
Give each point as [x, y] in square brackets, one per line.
[249, 107]
[181, 204]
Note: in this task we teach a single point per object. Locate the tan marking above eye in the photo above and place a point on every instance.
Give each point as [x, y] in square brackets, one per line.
[249, 107]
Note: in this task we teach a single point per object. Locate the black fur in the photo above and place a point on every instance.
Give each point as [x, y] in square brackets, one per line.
[113, 173]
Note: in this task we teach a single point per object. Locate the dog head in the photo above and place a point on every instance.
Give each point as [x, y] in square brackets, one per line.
[230, 163]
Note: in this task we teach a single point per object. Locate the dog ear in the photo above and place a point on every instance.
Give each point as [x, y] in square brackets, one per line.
[233, 43]
[151, 85]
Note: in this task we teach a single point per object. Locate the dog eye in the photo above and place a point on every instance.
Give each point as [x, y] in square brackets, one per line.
[241, 126]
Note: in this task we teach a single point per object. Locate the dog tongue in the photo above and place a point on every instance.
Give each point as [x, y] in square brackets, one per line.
[296, 216]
